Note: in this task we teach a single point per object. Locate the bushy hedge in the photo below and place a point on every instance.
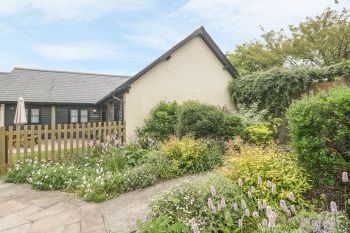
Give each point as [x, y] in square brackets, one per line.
[320, 130]
[274, 90]
[199, 120]
[206, 121]
[161, 123]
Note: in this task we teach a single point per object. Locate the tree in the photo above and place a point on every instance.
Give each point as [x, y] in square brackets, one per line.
[319, 41]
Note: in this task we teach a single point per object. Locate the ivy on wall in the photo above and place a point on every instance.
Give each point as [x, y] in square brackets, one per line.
[274, 90]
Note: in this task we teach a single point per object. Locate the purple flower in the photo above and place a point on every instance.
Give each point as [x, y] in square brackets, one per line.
[345, 177]
[268, 211]
[283, 205]
[291, 196]
[334, 207]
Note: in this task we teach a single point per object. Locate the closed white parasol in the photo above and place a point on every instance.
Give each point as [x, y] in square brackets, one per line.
[20, 116]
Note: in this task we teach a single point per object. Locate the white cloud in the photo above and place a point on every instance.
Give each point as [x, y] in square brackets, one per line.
[69, 9]
[77, 51]
[239, 20]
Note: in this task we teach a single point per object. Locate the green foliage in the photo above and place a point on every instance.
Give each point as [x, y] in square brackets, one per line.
[163, 224]
[160, 124]
[320, 130]
[272, 165]
[319, 41]
[274, 90]
[190, 155]
[258, 134]
[206, 121]
[309, 222]
[189, 200]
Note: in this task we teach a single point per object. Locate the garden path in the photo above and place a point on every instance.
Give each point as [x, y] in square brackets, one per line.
[23, 210]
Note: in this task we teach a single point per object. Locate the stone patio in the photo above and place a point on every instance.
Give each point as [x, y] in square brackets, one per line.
[25, 210]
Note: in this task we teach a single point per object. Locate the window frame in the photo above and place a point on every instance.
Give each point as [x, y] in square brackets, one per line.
[38, 116]
[77, 115]
[81, 116]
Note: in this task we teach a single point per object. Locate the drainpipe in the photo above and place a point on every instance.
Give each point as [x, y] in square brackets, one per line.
[121, 104]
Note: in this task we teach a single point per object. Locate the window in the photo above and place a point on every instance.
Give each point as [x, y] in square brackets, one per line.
[34, 115]
[73, 116]
[83, 116]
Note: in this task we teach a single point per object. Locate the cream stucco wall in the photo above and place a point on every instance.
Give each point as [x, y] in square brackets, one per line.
[192, 73]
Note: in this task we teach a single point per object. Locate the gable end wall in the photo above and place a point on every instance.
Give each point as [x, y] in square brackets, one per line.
[192, 73]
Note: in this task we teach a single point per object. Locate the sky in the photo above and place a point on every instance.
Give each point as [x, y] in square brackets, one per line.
[124, 36]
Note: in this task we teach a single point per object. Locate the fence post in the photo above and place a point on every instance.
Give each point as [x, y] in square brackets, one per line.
[2, 150]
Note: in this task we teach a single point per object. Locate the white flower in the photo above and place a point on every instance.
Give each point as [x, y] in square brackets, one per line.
[255, 214]
[250, 195]
[345, 177]
[235, 207]
[240, 223]
[213, 191]
[334, 207]
[247, 212]
[272, 219]
[259, 180]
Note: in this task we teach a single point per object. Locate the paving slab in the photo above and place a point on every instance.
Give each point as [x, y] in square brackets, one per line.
[23, 210]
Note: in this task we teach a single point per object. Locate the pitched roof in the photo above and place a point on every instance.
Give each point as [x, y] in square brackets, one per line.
[202, 33]
[49, 86]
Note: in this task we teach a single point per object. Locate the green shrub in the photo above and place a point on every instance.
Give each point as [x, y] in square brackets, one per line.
[189, 199]
[258, 134]
[310, 222]
[274, 90]
[272, 165]
[206, 121]
[320, 131]
[163, 224]
[141, 176]
[160, 124]
[190, 155]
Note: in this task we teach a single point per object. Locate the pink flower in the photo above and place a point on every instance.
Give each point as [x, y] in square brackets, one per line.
[247, 212]
[240, 182]
[334, 207]
[194, 226]
[264, 203]
[345, 177]
[211, 206]
[272, 219]
[291, 196]
[250, 195]
[268, 211]
[240, 223]
[213, 191]
[223, 202]
[243, 204]
[292, 209]
[235, 207]
[273, 188]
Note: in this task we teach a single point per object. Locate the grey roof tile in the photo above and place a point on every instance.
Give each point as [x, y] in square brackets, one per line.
[57, 86]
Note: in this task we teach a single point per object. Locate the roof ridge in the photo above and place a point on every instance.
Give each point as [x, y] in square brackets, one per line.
[71, 72]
